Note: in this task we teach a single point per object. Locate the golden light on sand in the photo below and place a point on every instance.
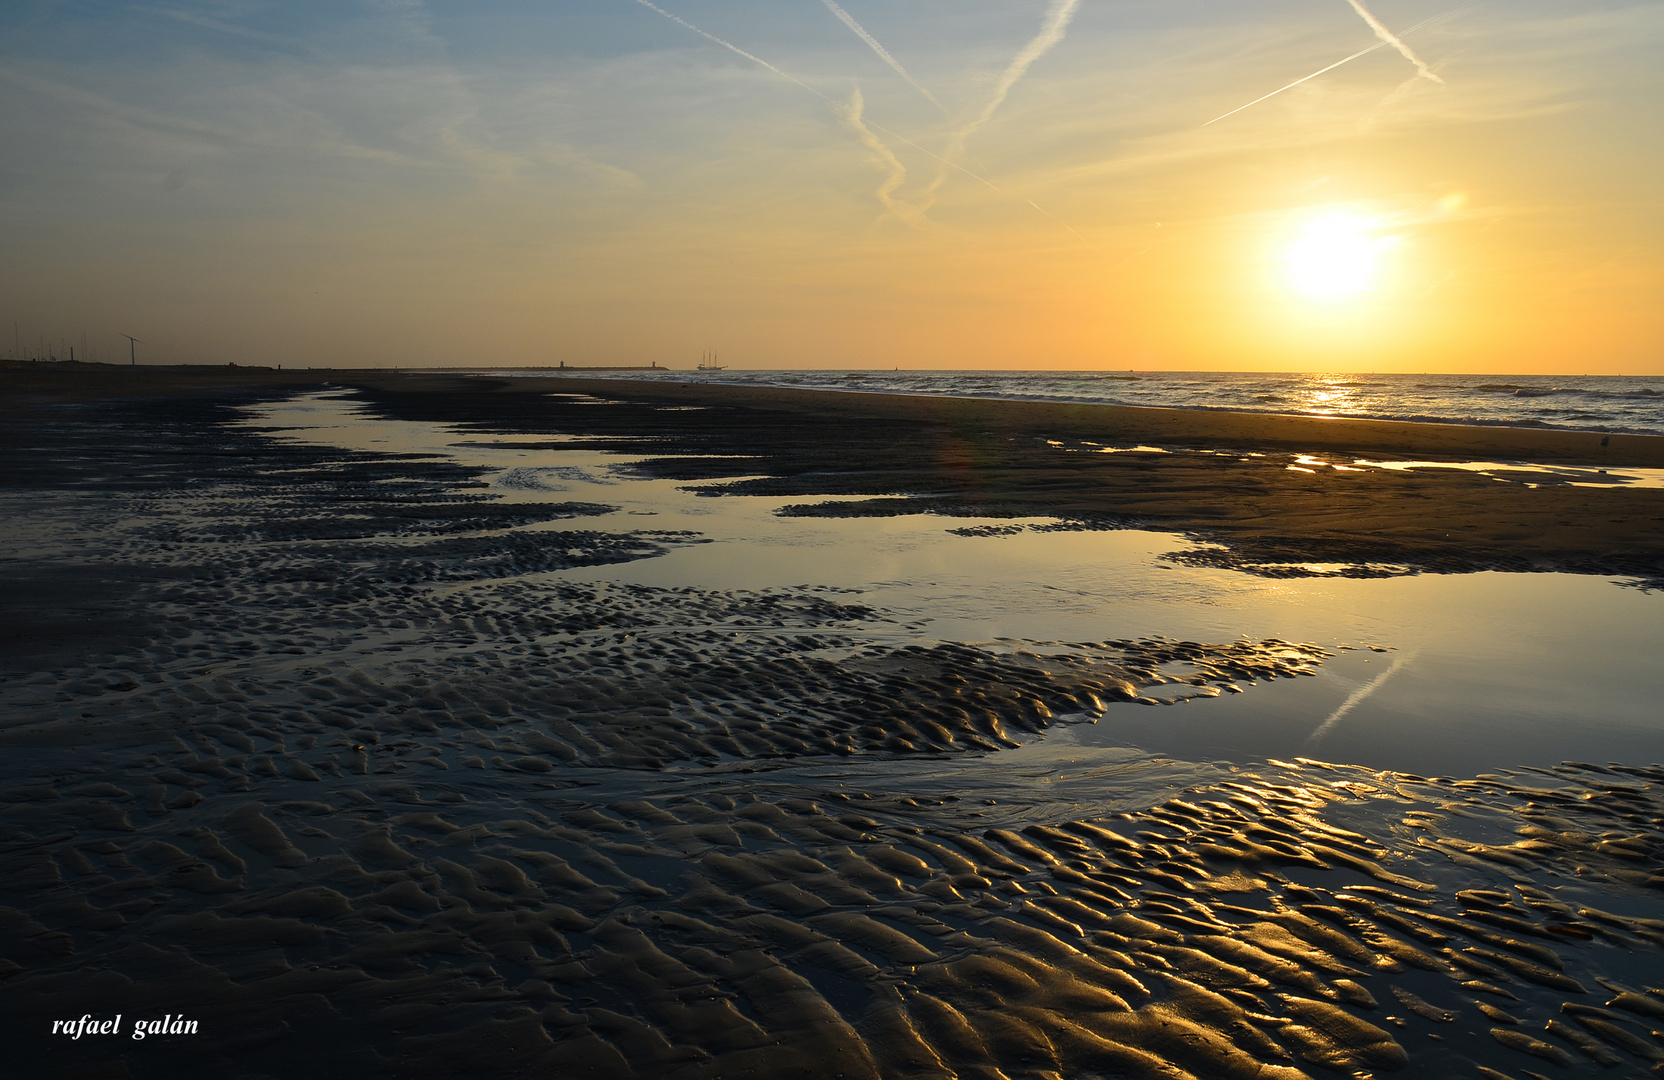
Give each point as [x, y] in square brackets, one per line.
[1334, 255]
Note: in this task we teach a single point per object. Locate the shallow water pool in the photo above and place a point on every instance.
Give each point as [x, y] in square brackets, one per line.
[1432, 674]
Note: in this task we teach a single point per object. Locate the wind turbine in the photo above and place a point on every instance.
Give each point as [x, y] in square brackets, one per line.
[132, 358]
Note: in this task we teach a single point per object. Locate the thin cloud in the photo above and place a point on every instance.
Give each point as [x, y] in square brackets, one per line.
[883, 54]
[1056, 25]
[895, 171]
[731, 47]
[1051, 32]
[208, 24]
[144, 123]
[1347, 60]
[1390, 38]
[449, 139]
[569, 157]
[1058, 17]
[1356, 698]
[795, 81]
[1297, 82]
[132, 116]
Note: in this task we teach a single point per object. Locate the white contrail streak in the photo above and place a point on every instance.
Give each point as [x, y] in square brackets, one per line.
[883, 54]
[1356, 698]
[730, 46]
[1056, 24]
[1051, 32]
[1390, 38]
[1338, 63]
[1057, 21]
[1297, 82]
[896, 172]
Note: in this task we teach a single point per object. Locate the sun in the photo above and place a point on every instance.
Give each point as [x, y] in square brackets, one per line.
[1334, 255]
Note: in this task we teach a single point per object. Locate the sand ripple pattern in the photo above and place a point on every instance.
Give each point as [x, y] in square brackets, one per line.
[1291, 923]
[403, 802]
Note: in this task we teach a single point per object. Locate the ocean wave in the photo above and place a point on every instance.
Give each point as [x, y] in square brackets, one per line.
[1517, 390]
[1618, 404]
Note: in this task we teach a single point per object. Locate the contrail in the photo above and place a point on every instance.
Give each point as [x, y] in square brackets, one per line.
[883, 53]
[1056, 24]
[1338, 63]
[897, 172]
[1390, 38]
[732, 48]
[838, 105]
[1051, 32]
[1057, 21]
[1356, 698]
[1297, 82]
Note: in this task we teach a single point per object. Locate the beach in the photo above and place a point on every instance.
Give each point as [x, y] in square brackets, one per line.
[419, 724]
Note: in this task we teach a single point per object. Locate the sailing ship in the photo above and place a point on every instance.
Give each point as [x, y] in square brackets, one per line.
[707, 361]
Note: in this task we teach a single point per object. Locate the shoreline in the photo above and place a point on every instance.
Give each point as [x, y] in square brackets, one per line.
[1018, 378]
[1245, 481]
[1279, 493]
[1157, 424]
[1189, 426]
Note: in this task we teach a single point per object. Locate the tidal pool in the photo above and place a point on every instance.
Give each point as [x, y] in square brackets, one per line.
[1432, 674]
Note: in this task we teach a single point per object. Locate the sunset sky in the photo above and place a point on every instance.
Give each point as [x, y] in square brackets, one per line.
[913, 183]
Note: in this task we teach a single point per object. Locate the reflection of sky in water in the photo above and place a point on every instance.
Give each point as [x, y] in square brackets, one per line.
[1491, 669]
[1533, 475]
[1511, 472]
[1514, 472]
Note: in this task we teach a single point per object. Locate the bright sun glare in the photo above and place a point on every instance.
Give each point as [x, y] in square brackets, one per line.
[1333, 256]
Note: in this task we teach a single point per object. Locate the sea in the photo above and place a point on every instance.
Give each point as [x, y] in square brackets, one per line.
[1605, 403]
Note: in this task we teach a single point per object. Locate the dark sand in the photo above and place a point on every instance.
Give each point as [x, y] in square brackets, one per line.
[311, 746]
[1226, 478]
[1019, 459]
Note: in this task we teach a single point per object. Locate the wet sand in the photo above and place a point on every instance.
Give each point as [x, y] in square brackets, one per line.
[1252, 483]
[1162, 426]
[319, 748]
[1278, 493]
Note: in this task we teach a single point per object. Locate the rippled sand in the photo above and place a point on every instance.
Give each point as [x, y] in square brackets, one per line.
[1277, 923]
[319, 748]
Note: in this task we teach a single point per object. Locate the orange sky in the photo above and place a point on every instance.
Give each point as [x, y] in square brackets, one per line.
[409, 184]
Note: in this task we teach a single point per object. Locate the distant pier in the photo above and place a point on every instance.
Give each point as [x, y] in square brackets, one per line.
[609, 367]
